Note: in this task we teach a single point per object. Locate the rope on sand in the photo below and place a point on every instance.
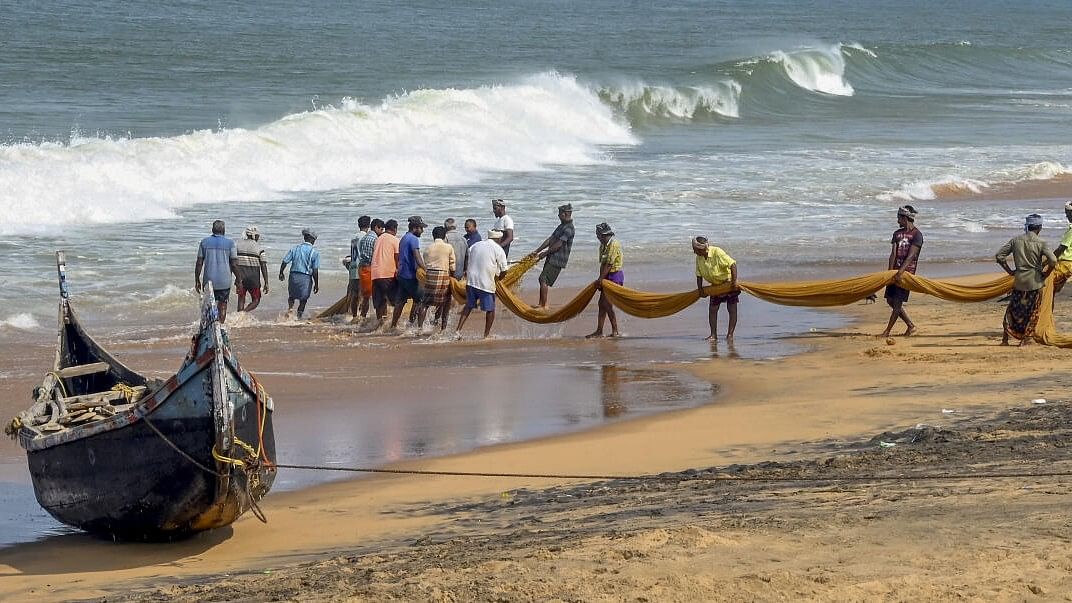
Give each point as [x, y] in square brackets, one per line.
[683, 477]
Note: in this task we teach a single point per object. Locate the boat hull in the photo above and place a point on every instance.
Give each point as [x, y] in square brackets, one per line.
[132, 482]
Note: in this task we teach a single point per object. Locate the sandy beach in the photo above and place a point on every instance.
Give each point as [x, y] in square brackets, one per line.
[950, 400]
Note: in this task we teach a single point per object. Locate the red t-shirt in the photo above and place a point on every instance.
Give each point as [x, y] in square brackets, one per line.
[904, 239]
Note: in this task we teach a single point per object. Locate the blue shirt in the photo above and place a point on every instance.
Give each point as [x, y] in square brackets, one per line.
[217, 251]
[407, 264]
[471, 238]
[303, 259]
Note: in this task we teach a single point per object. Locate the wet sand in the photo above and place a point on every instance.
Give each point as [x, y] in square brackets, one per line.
[357, 400]
[847, 389]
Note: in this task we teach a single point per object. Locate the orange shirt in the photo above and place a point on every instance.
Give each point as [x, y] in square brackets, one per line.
[384, 264]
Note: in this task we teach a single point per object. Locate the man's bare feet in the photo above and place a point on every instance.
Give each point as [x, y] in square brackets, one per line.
[594, 335]
[615, 334]
[884, 335]
[910, 331]
[711, 337]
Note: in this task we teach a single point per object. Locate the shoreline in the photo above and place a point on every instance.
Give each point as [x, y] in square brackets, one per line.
[756, 418]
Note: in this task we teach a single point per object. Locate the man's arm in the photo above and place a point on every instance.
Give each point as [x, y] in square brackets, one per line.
[419, 258]
[507, 238]
[282, 267]
[264, 272]
[891, 263]
[553, 247]
[1002, 255]
[546, 242]
[200, 263]
[913, 253]
[1051, 259]
[733, 275]
[699, 285]
[316, 280]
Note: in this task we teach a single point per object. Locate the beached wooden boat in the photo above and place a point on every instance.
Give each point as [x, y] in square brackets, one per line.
[115, 453]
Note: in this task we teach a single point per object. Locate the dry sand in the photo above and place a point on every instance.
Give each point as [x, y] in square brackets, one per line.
[498, 539]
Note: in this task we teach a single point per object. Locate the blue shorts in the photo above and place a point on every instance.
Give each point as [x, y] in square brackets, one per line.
[476, 298]
[300, 286]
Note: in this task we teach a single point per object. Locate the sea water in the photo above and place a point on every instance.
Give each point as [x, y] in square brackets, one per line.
[788, 132]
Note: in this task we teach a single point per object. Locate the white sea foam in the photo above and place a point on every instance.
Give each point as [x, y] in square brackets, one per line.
[819, 69]
[923, 190]
[424, 137]
[721, 98]
[23, 322]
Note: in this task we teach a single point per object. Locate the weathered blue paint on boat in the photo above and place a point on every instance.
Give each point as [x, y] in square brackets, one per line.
[121, 477]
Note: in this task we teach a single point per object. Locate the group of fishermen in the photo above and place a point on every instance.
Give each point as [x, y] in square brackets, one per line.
[383, 270]
[1033, 261]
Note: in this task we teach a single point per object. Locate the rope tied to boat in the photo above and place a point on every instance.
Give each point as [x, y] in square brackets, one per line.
[13, 427]
[129, 393]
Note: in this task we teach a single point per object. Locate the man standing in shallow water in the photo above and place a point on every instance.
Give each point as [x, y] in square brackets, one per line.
[252, 270]
[557, 251]
[503, 224]
[907, 242]
[304, 271]
[218, 255]
[717, 267]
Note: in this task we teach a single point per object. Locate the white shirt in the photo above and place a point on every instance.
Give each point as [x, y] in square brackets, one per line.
[486, 261]
[504, 223]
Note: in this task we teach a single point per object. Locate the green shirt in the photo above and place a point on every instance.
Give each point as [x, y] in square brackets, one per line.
[1066, 255]
[1027, 251]
[715, 268]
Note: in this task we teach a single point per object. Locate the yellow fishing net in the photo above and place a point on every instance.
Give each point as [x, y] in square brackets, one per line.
[835, 292]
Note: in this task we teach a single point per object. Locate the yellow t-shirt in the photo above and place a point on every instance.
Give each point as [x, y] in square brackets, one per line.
[715, 268]
[1067, 242]
[611, 253]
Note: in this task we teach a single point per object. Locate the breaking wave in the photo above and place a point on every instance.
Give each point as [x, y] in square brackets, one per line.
[424, 137]
[640, 101]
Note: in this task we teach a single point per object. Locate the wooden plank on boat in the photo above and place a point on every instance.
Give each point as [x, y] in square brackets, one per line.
[82, 369]
[85, 401]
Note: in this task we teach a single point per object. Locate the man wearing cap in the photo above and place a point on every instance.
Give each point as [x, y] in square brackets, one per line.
[907, 241]
[1064, 252]
[487, 264]
[385, 269]
[611, 261]
[218, 255]
[717, 267]
[304, 271]
[503, 224]
[1034, 261]
[409, 259]
[557, 250]
[352, 263]
[252, 270]
[457, 241]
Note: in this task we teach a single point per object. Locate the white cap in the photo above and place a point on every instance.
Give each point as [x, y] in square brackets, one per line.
[495, 234]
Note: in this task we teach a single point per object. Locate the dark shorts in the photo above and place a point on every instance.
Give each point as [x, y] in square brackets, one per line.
[479, 299]
[617, 277]
[249, 284]
[896, 294]
[221, 295]
[408, 288]
[730, 298]
[549, 274]
[300, 286]
[353, 288]
[383, 290]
